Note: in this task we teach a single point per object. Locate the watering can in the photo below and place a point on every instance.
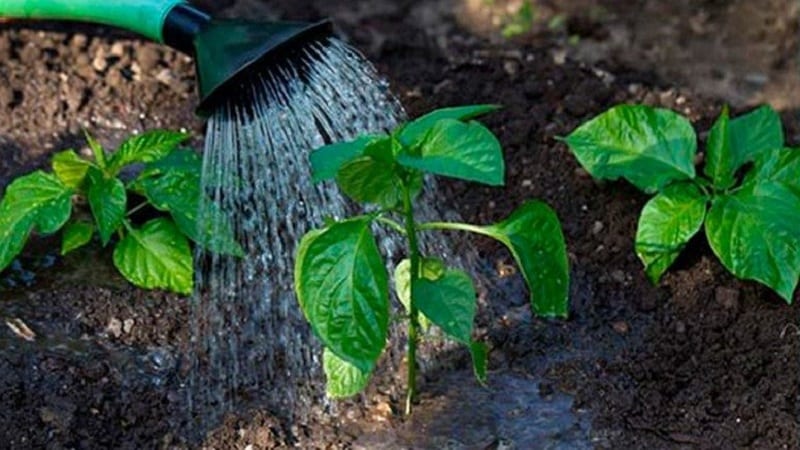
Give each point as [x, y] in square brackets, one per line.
[229, 54]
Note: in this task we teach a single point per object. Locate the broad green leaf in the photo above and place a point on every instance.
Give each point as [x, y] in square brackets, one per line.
[196, 216]
[667, 223]
[342, 287]
[146, 147]
[38, 200]
[720, 161]
[479, 354]
[97, 150]
[755, 134]
[755, 232]
[430, 268]
[180, 160]
[157, 256]
[448, 302]
[75, 236]
[649, 147]
[108, 201]
[343, 378]
[468, 151]
[326, 161]
[414, 132]
[43, 198]
[368, 180]
[70, 168]
[533, 235]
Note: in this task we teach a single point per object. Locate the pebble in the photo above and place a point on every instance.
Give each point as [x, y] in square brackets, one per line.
[597, 228]
[127, 325]
[680, 327]
[618, 276]
[99, 63]
[621, 327]
[114, 327]
[148, 58]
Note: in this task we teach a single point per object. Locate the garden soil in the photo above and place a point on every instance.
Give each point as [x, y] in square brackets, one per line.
[699, 361]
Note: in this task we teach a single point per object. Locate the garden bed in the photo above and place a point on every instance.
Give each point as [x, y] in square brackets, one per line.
[701, 360]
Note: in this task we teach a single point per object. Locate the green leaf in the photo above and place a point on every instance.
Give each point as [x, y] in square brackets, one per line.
[70, 168]
[755, 134]
[343, 378]
[368, 180]
[755, 232]
[326, 161]
[156, 257]
[414, 132]
[480, 357]
[342, 287]
[97, 150]
[667, 223]
[430, 268]
[468, 151]
[720, 162]
[75, 236]
[196, 216]
[181, 160]
[449, 303]
[533, 235]
[146, 147]
[108, 201]
[38, 200]
[647, 146]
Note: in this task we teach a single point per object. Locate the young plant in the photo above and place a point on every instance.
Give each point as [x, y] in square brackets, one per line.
[153, 255]
[751, 212]
[341, 280]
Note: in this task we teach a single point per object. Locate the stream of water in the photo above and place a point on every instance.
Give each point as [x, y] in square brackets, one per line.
[249, 336]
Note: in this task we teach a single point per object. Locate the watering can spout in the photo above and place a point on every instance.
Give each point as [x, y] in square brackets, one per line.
[229, 54]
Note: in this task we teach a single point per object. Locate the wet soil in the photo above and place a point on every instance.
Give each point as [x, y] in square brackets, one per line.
[700, 361]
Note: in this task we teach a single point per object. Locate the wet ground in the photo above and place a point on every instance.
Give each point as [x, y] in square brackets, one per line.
[701, 360]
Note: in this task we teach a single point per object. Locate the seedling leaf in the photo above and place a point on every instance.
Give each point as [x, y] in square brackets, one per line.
[414, 132]
[533, 235]
[343, 378]
[108, 201]
[647, 146]
[70, 168]
[479, 354]
[755, 232]
[666, 225]
[430, 268]
[75, 236]
[156, 257]
[342, 287]
[369, 180]
[449, 303]
[146, 147]
[720, 161]
[37, 200]
[755, 134]
[326, 161]
[468, 151]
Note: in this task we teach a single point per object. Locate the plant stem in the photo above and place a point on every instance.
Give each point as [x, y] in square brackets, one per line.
[452, 226]
[136, 209]
[413, 319]
[392, 224]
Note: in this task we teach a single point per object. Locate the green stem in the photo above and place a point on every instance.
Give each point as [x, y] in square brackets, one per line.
[136, 209]
[452, 226]
[413, 319]
[393, 225]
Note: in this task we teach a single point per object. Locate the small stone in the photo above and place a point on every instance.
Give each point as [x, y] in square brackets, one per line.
[727, 297]
[621, 327]
[114, 327]
[148, 57]
[618, 276]
[99, 63]
[118, 49]
[382, 412]
[127, 325]
[511, 68]
[78, 42]
[527, 183]
[680, 327]
[597, 228]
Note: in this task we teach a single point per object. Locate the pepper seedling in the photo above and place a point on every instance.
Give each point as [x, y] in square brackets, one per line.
[341, 280]
[152, 255]
[748, 200]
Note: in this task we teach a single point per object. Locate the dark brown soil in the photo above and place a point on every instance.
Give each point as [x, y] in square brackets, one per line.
[700, 361]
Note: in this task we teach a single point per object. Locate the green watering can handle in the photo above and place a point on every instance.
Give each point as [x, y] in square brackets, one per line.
[145, 17]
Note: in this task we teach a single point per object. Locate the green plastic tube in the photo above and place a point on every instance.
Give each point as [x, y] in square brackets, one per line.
[145, 17]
